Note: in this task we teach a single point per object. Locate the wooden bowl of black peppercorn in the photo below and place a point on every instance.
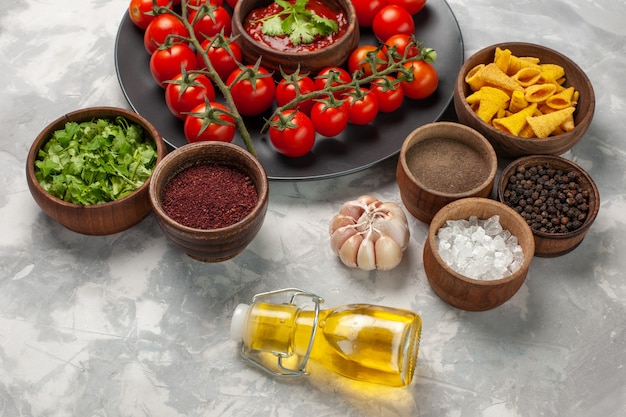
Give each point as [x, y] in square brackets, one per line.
[557, 198]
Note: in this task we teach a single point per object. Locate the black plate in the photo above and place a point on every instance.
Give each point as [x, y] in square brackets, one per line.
[357, 148]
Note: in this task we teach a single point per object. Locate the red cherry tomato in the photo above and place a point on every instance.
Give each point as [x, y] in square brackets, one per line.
[366, 10]
[223, 61]
[141, 13]
[333, 77]
[212, 24]
[254, 92]
[157, 31]
[165, 64]
[232, 3]
[329, 120]
[362, 106]
[362, 57]
[187, 92]
[209, 123]
[389, 93]
[411, 6]
[292, 133]
[293, 86]
[391, 20]
[405, 45]
[425, 80]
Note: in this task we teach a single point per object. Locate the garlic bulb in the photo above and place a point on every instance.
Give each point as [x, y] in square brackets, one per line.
[369, 234]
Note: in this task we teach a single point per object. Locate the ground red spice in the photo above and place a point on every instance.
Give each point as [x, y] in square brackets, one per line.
[209, 196]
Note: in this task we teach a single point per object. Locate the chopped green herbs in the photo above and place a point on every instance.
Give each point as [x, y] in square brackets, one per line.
[299, 23]
[96, 161]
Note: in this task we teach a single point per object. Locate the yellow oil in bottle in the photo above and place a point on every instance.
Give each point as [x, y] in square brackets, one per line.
[360, 341]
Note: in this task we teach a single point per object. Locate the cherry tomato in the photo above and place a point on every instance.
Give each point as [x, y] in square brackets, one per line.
[187, 92]
[405, 45]
[198, 3]
[157, 31]
[362, 106]
[209, 123]
[332, 76]
[165, 64]
[292, 133]
[391, 20]
[366, 10]
[216, 21]
[425, 79]
[141, 13]
[254, 92]
[411, 6]
[329, 120]
[292, 86]
[232, 3]
[389, 93]
[361, 59]
[223, 61]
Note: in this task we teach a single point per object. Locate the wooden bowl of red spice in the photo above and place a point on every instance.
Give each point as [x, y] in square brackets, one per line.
[329, 47]
[87, 181]
[492, 271]
[441, 162]
[210, 199]
[556, 197]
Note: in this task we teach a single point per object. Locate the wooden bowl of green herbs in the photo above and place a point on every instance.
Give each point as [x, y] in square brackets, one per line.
[90, 169]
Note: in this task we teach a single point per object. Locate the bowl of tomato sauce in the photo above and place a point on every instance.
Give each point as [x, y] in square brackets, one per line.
[265, 29]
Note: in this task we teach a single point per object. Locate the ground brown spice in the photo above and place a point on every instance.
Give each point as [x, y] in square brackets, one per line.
[209, 196]
[446, 165]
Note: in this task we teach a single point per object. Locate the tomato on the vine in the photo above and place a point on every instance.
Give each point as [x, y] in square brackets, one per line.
[329, 118]
[158, 30]
[292, 133]
[411, 6]
[212, 122]
[231, 3]
[389, 93]
[362, 106]
[165, 64]
[332, 77]
[391, 20]
[425, 79]
[224, 56]
[187, 91]
[217, 20]
[366, 10]
[362, 58]
[292, 86]
[405, 45]
[253, 89]
[141, 12]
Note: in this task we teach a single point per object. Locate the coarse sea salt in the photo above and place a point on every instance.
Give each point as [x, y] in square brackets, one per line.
[479, 249]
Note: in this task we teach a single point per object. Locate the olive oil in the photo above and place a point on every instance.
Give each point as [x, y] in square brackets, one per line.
[359, 341]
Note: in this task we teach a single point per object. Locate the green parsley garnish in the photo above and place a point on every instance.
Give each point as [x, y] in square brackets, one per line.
[96, 161]
[299, 23]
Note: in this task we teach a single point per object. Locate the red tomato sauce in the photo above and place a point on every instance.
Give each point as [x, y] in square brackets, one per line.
[282, 43]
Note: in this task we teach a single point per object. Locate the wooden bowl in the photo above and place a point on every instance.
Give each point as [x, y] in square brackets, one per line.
[510, 146]
[431, 175]
[97, 219]
[552, 244]
[312, 62]
[210, 245]
[475, 294]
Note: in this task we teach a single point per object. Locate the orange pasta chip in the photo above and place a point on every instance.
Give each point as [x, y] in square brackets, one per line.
[514, 123]
[561, 99]
[544, 125]
[527, 76]
[495, 77]
[473, 77]
[539, 92]
[518, 102]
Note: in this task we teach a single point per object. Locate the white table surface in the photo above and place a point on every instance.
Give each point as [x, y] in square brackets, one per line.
[126, 325]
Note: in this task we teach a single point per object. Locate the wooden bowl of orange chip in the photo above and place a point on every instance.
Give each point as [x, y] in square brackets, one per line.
[526, 99]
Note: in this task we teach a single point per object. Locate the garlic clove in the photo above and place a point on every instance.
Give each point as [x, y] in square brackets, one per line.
[366, 256]
[339, 237]
[340, 220]
[349, 250]
[388, 253]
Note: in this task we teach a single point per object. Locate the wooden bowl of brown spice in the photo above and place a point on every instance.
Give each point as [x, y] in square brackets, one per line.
[442, 162]
[210, 199]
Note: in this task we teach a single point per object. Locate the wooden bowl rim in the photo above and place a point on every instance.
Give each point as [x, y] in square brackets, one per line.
[593, 212]
[585, 120]
[479, 140]
[178, 157]
[238, 17]
[45, 135]
[528, 252]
